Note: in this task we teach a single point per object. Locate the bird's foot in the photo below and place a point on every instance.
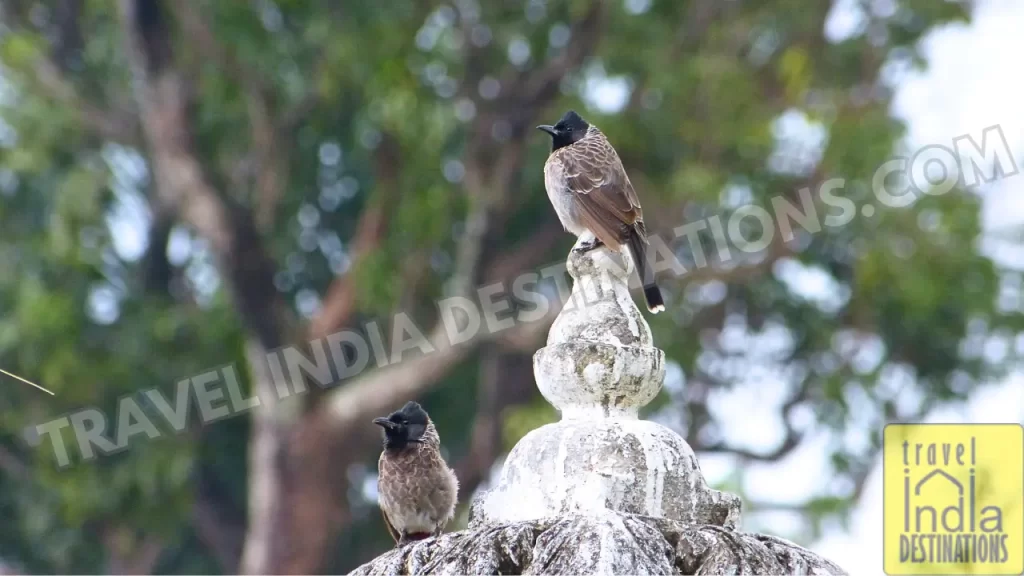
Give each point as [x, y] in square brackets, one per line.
[406, 539]
[587, 246]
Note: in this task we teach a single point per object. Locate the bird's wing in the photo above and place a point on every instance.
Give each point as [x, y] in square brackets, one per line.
[387, 522]
[381, 466]
[601, 190]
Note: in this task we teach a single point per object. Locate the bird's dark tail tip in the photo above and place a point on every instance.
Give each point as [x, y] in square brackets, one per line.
[637, 248]
[655, 303]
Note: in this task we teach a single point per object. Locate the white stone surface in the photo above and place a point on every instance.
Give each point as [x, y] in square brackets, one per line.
[599, 368]
[589, 466]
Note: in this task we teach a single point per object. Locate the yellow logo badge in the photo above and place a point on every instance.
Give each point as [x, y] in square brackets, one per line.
[954, 498]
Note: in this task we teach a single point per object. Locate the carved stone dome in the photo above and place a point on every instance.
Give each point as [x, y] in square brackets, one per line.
[601, 491]
[598, 369]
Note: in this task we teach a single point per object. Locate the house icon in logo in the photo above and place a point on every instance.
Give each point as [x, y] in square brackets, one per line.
[937, 472]
[926, 517]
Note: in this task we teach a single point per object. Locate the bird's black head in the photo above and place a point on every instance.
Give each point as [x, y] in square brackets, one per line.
[571, 128]
[404, 427]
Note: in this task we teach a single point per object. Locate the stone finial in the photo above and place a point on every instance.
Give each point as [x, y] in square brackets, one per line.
[598, 369]
[599, 360]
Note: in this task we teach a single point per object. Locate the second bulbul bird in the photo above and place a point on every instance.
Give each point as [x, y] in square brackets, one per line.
[417, 490]
[591, 192]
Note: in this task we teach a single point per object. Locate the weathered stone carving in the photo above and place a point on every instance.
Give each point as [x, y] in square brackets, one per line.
[599, 368]
[612, 543]
[601, 491]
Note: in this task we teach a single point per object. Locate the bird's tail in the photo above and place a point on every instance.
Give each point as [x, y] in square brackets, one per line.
[652, 294]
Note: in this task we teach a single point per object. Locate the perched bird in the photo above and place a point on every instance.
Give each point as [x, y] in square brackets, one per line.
[591, 192]
[417, 490]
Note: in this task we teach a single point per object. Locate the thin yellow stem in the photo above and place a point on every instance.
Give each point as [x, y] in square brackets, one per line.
[26, 381]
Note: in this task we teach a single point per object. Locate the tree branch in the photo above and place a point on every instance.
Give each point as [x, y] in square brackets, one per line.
[339, 302]
[12, 465]
[130, 553]
[525, 255]
[534, 89]
[223, 535]
[700, 15]
[293, 116]
[193, 22]
[506, 380]
[268, 157]
[789, 443]
[68, 44]
[181, 181]
[116, 126]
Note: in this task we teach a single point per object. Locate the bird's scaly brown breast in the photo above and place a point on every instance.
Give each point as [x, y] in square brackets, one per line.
[416, 486]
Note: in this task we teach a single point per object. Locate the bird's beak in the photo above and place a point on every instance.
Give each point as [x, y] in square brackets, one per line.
[384, 423]
[547, 128]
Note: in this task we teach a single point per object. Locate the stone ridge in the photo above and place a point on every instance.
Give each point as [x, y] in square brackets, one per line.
[611, 543]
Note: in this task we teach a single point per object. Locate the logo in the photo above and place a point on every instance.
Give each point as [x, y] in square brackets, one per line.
[953, 498]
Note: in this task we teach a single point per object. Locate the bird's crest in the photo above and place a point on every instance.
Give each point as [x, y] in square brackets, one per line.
[413, 413]
[572, 121]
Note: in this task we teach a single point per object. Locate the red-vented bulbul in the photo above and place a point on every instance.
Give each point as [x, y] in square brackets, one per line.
[591, 192]
[417, 491]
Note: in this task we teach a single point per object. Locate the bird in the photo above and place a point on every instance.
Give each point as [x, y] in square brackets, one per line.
[590, 191]
[417, 490]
